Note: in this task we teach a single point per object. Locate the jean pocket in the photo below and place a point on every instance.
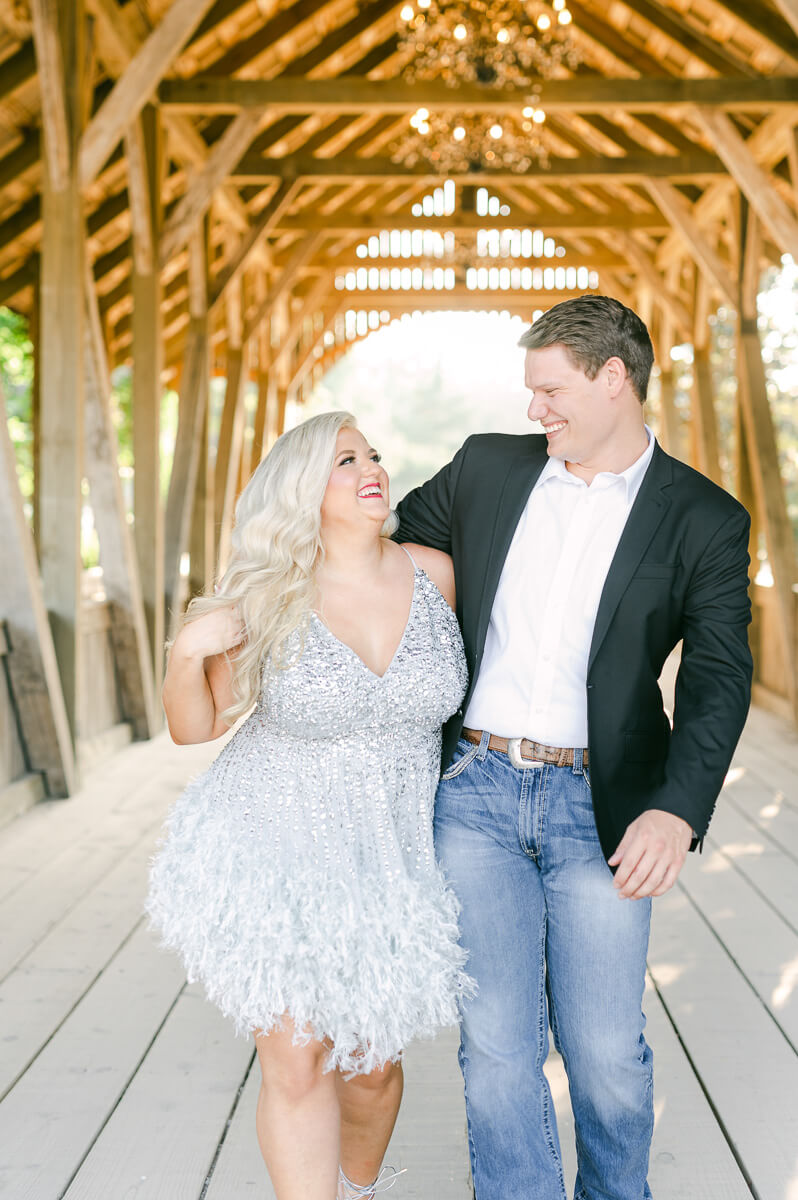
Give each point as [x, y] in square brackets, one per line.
[468, 755]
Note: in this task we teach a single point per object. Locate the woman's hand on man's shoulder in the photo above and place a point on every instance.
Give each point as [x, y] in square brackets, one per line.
[438, 566]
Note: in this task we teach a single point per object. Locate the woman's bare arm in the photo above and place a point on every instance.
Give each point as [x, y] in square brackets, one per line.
[199, 677]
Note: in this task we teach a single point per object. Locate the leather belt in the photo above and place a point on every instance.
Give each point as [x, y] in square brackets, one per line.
[525, 753]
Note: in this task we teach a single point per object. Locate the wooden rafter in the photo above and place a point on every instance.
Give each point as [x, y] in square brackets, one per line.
[133, 90]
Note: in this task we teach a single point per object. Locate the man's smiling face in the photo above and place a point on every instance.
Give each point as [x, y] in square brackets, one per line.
[577, 413]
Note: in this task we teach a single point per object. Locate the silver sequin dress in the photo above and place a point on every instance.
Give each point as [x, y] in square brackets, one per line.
[297, 874]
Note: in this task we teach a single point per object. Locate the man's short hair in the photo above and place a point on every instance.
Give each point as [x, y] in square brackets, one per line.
[593, 329]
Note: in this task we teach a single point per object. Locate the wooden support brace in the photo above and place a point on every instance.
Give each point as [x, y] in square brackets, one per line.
[266, 220]
[677, 209]
[755, 184]
[789, 10]
[135, 88]
[196, 201]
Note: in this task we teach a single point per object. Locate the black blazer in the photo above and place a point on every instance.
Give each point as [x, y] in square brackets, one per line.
[680, 572]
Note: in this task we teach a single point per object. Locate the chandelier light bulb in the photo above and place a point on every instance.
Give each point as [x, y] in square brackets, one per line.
[458, 133]
[496, 131]
[558, 5]
[422, 113]
[422, 127]
[502, 36]
[538, 116]
[424, 3]
[528, 112]
[544, 22]
[460, 32]
[565, 17]
[407, 13]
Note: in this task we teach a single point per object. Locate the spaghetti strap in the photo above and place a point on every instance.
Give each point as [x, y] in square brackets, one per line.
[410, 556]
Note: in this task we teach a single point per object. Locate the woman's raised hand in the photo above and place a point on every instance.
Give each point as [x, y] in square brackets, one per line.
[213, 633]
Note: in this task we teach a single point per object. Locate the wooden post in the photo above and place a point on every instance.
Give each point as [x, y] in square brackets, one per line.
[703, 415]
[128, 627]
[59, 33]
[32, 666]
[762, 448]
[231, 432]
[194, 393]
[147, 391]
[259, 429]
[202, 541]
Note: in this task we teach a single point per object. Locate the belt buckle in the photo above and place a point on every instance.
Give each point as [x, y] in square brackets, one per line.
[514, 755]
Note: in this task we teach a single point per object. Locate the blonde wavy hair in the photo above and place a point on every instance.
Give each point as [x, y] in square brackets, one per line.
[276, 549]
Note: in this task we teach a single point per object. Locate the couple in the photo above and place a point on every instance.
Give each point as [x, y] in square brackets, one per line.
[298, 878]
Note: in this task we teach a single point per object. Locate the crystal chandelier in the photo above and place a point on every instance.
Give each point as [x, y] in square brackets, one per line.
[493, 44]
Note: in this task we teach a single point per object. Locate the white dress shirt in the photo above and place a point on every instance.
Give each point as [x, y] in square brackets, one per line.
[532, 682]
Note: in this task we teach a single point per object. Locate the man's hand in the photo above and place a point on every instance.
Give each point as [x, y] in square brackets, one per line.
[651, 854]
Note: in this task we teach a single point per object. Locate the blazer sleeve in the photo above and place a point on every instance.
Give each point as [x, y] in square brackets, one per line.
[713, 685]
[425, 514]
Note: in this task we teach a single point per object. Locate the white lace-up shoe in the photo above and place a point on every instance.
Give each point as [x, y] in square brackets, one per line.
[355, 1191]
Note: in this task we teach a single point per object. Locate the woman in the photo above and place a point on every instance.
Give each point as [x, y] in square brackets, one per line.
[297, 879]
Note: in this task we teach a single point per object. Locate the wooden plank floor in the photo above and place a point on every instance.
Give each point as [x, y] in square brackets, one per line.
[119, 1082]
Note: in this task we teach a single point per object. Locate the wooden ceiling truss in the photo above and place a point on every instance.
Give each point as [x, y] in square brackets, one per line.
[186, 187]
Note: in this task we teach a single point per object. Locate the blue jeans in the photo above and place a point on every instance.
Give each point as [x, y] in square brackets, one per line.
[549, 941]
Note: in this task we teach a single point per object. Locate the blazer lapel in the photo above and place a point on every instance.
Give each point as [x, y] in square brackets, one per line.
[648, 510]
[519, 481]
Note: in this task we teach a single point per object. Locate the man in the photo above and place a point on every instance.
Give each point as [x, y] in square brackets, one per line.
[582, 557]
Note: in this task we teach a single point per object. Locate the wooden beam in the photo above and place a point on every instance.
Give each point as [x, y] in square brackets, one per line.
[136, 86]
[773, 211]
[196, 201]
[53, 87]
[266, 220]
[303, 253]
[583, 94]
[341, 169]
[765, 22]
[121, 580]
[147, 392]
[32, 666]
[677, 210]
[62, 378]
[578, 220]
[760, 436]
